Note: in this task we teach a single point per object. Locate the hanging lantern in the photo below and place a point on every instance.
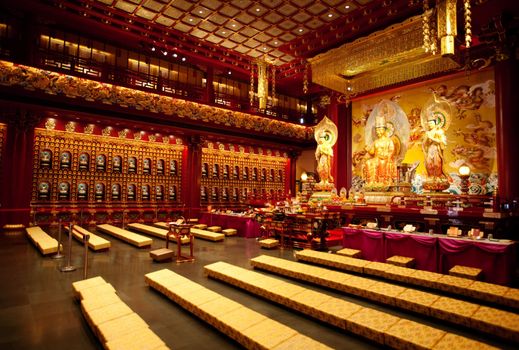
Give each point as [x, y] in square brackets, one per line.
[263, 84]
[445, 28]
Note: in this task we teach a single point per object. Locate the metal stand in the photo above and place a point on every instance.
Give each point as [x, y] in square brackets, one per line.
[85, 243]
[68, 267]
[58, 255]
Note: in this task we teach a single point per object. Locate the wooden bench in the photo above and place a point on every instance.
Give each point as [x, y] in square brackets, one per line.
[155, 231]
[127, 236]
[269, 243]
[214, 228]
[95, 242]
[402, 261]
[366, 322]
[246, 326]
[230, 232]
[111, 320]
[466, 272]
[45, 243]
[352, 253]
[200, 226]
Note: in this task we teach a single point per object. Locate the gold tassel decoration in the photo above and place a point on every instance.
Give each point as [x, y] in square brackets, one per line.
[447, 31]
[251, 89]
[273, 86]
[468, 24]
[263, 90]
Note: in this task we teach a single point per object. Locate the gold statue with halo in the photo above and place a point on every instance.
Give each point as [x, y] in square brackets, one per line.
[326, 136]
[435, 118]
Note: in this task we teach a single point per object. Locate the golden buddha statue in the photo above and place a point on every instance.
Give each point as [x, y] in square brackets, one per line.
[326, 135]
[380, 170]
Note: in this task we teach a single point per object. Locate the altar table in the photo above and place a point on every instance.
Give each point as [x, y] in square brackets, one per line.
[437, 253]
[245, 225]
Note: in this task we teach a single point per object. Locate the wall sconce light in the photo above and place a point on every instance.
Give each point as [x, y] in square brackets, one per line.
[464, 172]
[304, 176]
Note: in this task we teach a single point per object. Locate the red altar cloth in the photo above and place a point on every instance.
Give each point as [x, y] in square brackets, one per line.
[437, 253]
[496, 260]
[246, 226]
[371, 243]
[422, 248]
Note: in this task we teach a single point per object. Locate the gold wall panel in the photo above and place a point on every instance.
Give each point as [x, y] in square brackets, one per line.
[471, 136]
[65, 157]
[232, 176]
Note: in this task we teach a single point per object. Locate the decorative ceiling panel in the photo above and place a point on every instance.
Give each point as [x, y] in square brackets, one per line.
[291, 27]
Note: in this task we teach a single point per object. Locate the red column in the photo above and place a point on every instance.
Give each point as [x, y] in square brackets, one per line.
[507, 125]
[191, 172]
[290, 171]
[340, 114]
[15, 197]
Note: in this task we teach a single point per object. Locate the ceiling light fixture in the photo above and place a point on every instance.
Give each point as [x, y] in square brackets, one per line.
[175, 55]
[300, 30]
[330, 15]
[183, 59]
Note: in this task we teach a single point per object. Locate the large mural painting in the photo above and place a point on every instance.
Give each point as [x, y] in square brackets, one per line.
[420, 137]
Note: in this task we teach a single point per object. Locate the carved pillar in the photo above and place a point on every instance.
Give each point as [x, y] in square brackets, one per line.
[17, 174]
[191, 172]
[507, 124]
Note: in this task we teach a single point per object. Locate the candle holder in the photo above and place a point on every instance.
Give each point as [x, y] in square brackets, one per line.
[464, 173]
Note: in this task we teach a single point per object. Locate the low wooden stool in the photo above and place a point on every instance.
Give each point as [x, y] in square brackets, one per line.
[352, 253]
[230, 232]
[472, 273]
[402, 261]
[200, 226]
[214, 228]
[269, 243]
[162, 254]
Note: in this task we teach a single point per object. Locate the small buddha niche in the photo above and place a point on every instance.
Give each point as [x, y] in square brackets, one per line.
[226, 172]
[116, 164]
[159, 192]
[64, 160]
[101, 163]
[160, 167]
[43, 191]
[145, 192]
[173, 167]
[45, 159]
[146, 166]
[172, 193]
[84, 162]
[99, 192]
[131, 193]
[216, 171]
[116, 192]
[132, 165]
[64, 191]
[82, 191]
[204, 170]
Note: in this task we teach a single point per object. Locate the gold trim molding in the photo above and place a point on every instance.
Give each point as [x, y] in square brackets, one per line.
[52, 83]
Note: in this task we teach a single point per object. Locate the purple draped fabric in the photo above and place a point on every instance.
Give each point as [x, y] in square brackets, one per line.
[496, 260]
[421, 248]
[371, 243]
[246, 226]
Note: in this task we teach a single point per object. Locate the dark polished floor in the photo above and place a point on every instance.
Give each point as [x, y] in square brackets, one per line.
[38, 311]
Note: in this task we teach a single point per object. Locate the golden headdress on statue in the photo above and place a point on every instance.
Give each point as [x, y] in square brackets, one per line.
[327, 130]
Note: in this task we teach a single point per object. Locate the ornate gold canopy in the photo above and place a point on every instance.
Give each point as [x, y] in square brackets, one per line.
[384, 58]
